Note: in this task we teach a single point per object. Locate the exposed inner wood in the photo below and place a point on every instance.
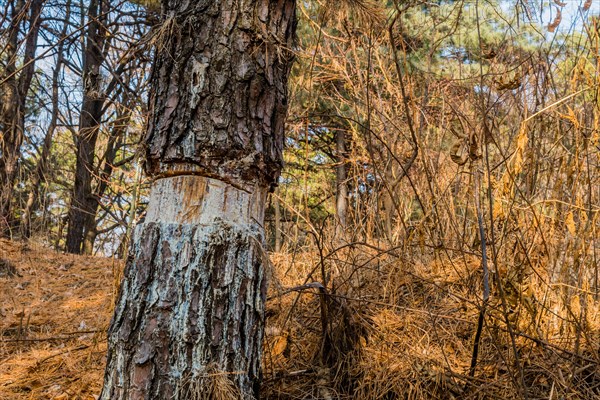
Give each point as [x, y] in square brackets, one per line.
[192, 199]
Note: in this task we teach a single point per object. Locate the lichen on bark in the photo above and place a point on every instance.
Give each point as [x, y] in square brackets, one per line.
[191, 305]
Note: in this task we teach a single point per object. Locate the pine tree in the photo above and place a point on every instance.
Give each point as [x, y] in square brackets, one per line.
[189, 318]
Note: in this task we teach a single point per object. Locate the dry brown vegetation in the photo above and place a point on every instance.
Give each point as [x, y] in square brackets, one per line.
[388, 328]
[471, 143]
[54, 313]
[403, 329]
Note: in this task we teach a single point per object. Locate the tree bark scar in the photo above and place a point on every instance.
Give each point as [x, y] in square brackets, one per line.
[197, 171]
[196, 199]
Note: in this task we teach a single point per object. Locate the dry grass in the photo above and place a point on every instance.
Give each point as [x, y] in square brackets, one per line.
[393, 329]
[405, 330]
[213, 385]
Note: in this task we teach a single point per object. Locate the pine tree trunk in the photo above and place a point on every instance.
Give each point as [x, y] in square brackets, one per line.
[117, 133]
[40, 168]
[10, 135]
[341, 194]
[124, 245]
[189, 319]
[12, 109]
[82, 209]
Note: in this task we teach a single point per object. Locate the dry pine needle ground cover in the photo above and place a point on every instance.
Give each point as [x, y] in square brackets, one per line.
[54, 312]
[384, 329]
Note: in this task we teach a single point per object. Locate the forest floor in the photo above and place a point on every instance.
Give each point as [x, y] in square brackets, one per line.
[54, 312]
[394, 329]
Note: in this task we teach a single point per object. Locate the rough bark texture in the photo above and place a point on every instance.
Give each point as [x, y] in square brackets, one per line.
[82, 212]
[219, 100]
[189, 319]
[191, 303]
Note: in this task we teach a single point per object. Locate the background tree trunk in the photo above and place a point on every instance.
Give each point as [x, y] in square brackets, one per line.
[341, 194]
[124, 245]
[115, 142]
[277, 224]
[14, 95]
[40, 168]
[189, 319]
[82, 208]
[8, 161]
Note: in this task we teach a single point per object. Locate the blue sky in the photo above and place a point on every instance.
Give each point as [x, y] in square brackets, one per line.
[573, 15]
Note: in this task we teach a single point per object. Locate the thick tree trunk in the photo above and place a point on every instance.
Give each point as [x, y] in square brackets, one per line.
[189, 319]
[12, 111]
[82, 208]
[191, 304]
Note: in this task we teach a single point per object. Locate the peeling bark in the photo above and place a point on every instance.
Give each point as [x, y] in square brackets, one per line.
[219, 100]
[192, 299]
[190, 315]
